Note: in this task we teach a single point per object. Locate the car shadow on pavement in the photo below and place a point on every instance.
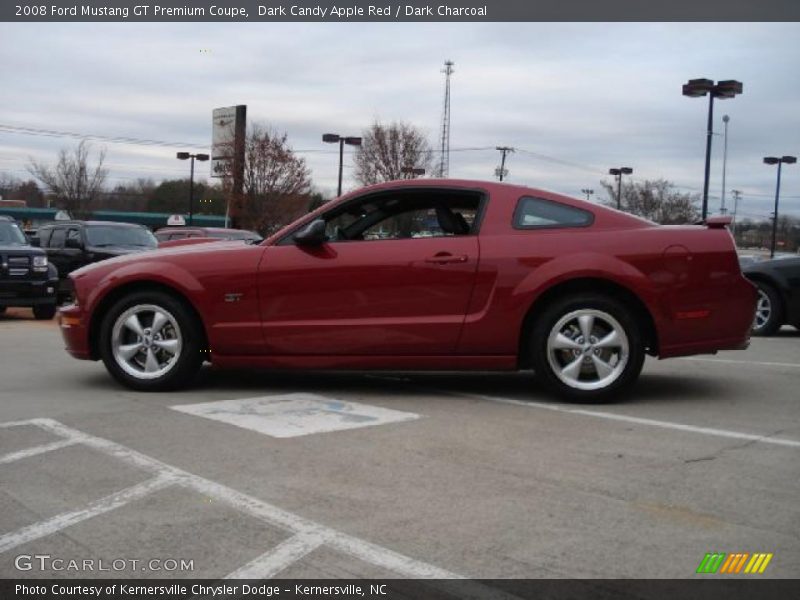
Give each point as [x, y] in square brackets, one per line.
[522, 386]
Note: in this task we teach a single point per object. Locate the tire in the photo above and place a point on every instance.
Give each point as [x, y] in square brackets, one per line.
[599, 373]
[165, 354]
[44, 312]
[769, 310]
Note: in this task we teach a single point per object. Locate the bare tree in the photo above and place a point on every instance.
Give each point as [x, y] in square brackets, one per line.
[386, 149]
[72, 181]
[277, 183]
[656, 200]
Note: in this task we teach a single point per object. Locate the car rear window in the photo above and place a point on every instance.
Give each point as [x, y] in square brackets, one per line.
[534, 213]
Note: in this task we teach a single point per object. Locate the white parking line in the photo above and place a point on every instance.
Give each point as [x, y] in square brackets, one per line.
[280, 557]
[14, 456]
[64, 520]
[764, 439]
[740, 362]
[307, 533]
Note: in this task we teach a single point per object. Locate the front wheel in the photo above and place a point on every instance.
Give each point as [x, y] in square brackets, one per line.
[587, 348]
[150, 341]
[44, 312]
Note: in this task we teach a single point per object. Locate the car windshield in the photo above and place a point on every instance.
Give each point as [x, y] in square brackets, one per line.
[112, 235]
[10, 235]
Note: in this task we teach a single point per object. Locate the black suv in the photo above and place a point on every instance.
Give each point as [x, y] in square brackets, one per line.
[26, 277]
[71, 245]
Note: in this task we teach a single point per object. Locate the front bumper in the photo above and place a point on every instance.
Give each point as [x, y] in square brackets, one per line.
[27, 293]
[75, 331]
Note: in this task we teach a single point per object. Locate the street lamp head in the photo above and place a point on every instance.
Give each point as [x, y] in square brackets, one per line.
[771, 160]
[789, 160]
[183, 155]
[412, 170]
[614, 171]
[352, 141]
[695, 88]
[330, 138]
[727, 89]
[202, 157]
[626, 170]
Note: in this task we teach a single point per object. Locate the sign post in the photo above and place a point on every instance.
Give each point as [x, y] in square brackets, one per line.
[228, 130]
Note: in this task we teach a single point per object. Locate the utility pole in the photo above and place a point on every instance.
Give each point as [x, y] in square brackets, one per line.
[736, 196]
[501, 172]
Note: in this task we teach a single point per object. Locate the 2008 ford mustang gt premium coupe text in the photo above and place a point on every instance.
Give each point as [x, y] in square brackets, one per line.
[423, 274]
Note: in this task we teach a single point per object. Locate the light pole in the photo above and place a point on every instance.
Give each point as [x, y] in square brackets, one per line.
[725, 119]
[696, 88]
[774, 160]
[618, 173]
[412, 172]
[588, 192]
[201, 158]
[334, 138]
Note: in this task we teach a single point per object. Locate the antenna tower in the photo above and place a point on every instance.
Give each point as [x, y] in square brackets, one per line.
[444, 159]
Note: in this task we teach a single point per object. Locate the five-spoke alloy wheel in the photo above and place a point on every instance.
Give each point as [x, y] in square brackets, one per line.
[150, 341]
[587, 347]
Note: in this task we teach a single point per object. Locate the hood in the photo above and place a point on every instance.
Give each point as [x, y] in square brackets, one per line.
[29, 250]
[130, 256]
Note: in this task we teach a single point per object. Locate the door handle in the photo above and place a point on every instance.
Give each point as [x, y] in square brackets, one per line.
[443, 259]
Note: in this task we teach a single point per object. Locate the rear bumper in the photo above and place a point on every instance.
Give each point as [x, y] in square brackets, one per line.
[725, 323]
[75, 331]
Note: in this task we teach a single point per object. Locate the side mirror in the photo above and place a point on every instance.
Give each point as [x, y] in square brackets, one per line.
[73, 243]
[312, 234]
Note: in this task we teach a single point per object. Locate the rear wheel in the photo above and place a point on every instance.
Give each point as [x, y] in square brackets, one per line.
[587, 347]
[150, 341]
[768, 310]
[44, 312]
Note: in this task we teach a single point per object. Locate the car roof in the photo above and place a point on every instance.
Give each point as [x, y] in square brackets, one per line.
[92, 223]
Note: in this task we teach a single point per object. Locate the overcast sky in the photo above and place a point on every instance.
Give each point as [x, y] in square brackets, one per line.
[575, 99]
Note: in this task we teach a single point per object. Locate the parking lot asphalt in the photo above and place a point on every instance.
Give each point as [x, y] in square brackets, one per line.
[395, 474]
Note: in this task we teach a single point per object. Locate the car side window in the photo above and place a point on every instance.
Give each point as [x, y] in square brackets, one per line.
[58, 237]
[532, 213]
[404, 215]
[74, 234]
[44, 237]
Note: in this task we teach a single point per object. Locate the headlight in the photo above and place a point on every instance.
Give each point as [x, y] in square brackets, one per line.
[40, 264]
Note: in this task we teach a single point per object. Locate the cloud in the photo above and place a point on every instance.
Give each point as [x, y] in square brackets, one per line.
[594, 95]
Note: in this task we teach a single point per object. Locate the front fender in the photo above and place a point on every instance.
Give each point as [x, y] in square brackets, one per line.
[165, 273]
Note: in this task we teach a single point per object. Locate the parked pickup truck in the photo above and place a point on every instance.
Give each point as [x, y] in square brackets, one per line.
[71, 245]
[26, 276]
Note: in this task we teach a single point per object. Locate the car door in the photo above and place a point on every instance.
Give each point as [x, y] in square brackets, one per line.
[391, 280]
[75, 255]
[56, 251]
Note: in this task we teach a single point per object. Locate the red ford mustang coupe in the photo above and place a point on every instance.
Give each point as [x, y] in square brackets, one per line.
[423, 274]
